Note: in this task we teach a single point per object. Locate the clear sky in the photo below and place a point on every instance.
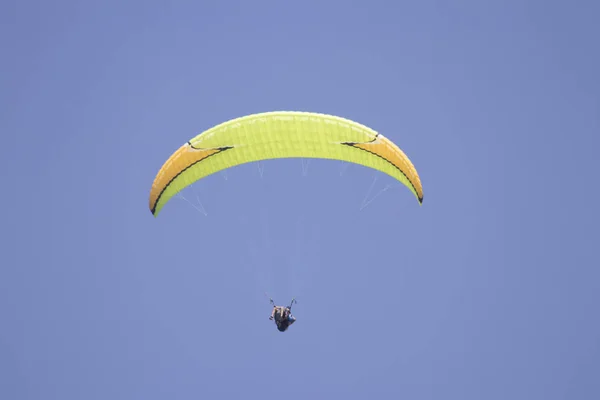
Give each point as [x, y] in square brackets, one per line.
[490, 290]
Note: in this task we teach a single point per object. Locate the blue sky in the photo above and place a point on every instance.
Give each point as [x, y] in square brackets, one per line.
[487, 291]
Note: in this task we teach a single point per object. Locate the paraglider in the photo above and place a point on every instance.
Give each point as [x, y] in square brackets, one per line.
[280, 134]
[282, 315]
[277, 135]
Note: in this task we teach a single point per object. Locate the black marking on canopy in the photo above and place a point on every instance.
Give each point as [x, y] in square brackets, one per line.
[353, 145]
[221, 149]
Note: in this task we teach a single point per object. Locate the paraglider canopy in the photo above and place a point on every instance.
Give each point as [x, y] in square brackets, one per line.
[281, 134]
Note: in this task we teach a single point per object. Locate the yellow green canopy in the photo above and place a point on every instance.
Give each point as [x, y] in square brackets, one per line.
[281, 134]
